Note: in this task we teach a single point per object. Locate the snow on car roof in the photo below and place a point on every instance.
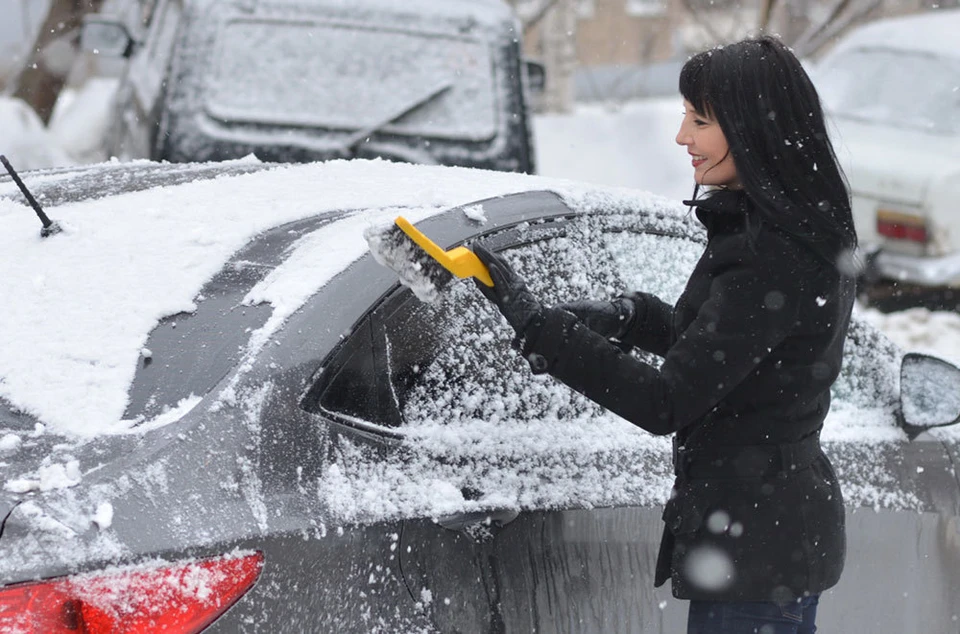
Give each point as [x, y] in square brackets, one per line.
[83, 302]
[931, 32]
[482, 11]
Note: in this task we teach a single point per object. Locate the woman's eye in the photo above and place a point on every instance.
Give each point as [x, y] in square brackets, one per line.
[699, 122]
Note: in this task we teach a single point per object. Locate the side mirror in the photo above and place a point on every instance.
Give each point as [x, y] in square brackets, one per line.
[536, 76]
[929, 393]
[106, 36]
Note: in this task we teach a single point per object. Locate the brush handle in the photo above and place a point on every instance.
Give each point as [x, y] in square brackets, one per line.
[460, 261]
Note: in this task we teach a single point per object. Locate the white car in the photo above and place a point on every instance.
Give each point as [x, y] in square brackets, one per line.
[892, 91]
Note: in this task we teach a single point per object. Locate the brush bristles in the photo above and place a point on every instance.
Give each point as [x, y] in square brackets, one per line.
[394, 249]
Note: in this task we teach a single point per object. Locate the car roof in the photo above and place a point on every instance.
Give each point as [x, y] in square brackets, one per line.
[484, 12]
[932, 32]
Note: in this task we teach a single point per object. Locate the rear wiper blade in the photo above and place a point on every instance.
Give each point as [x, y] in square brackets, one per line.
[49, 226]
[349, 146]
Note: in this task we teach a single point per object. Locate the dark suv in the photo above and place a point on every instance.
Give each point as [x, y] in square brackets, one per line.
[426, 82]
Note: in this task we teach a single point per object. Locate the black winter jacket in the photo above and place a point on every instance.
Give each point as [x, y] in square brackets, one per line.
[750, 352]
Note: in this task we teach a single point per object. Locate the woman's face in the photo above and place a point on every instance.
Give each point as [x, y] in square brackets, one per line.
[708, 149]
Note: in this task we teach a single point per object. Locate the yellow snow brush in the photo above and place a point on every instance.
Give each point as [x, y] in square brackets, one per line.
[460, 261]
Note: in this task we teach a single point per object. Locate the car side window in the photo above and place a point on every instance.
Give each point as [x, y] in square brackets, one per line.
[450, 362]
[870, 375]
[351, 385]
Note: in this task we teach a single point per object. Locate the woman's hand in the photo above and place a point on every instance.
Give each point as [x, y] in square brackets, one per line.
[509, 292]
[610, 319]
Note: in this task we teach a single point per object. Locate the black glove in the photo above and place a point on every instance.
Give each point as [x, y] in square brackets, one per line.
[610, 319]
[509, 292]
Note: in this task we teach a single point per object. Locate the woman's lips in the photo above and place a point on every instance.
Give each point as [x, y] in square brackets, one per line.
[698, 162]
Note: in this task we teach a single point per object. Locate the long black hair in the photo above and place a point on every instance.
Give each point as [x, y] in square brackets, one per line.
[770, 114]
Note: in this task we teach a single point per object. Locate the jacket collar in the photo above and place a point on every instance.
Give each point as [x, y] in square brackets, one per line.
[721, 209]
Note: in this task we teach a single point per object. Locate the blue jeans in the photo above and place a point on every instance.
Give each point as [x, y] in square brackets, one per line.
[729, 617]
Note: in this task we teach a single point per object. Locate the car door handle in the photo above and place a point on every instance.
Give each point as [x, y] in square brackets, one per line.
[497, 517]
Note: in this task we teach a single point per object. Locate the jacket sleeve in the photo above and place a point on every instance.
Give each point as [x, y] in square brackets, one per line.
[743, 319]
[652, 328]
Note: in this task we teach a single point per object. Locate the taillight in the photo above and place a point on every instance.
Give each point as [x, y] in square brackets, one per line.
[176, 599]
[902, 226]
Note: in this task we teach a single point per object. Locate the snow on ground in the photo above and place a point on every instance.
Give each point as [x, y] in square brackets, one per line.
[919, 330]
[24, 139]
[631, 145]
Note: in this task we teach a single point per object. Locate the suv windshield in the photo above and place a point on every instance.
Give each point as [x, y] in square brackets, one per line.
[909, 90]
[346, 76]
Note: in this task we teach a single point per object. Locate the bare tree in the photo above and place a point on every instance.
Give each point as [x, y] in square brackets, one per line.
[842, 15]
[46, 67]
[531, 19]
[790, 19]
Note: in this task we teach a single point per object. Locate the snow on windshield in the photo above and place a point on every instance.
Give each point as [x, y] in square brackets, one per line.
[894, 87]
[351, 77]
[274, 65]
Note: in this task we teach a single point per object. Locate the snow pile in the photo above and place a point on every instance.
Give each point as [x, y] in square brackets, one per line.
[48, 477]
[81, 120]
[25, 141]
[919, 330]
[9, 443]
[629, 145]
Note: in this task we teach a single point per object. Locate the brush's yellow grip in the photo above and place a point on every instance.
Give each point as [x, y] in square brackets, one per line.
[460, 261]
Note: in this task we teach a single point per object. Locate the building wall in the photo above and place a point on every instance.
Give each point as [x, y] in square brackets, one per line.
[616, 35]
[617, 32]
[633, 32]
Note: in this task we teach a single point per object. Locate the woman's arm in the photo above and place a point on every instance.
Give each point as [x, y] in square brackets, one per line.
[652, 327]
[743, 319]
[636, 319]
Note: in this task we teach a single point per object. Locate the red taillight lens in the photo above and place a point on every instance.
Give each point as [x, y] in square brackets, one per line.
[901, 226]
[181, 598]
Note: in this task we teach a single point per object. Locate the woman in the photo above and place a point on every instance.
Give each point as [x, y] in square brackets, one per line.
[754, 528]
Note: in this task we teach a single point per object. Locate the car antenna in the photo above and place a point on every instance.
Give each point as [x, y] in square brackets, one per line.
[50, 227]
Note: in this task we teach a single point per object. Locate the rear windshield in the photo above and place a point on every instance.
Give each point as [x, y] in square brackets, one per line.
[351, 77]
[908, 90]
